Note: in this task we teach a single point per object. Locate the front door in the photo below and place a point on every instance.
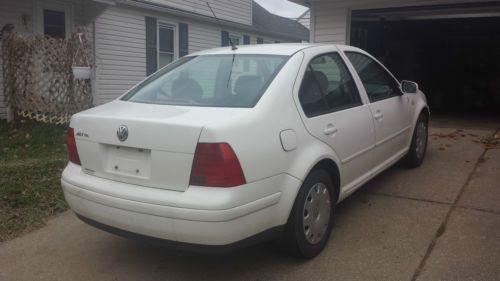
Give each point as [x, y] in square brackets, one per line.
[335, 114]
[389, 107]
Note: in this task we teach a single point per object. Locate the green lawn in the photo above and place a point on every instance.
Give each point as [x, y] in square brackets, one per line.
[32, 156]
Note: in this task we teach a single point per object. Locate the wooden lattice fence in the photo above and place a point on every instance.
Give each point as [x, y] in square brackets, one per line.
[38, 78]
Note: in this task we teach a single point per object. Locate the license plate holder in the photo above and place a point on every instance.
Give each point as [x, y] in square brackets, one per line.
[129, 161]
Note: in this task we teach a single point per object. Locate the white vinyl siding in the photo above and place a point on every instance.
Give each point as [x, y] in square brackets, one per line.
[239, 11]
[203, 36]
[120, 51]
[330, 19]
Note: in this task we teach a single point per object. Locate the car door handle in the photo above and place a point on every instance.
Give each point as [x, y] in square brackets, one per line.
[330, 130]
[378, 115]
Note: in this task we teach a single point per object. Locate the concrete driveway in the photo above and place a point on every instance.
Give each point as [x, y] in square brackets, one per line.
[438, 222]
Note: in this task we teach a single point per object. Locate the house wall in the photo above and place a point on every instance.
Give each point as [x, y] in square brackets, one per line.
[13, 12]
[121, 49]
[239, 11]
[331, 19]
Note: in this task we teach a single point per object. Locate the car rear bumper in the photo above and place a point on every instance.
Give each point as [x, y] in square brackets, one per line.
[269, 234]
[199, 215]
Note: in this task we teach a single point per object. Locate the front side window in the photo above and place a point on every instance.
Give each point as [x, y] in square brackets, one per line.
[166, 37]
[378, 83]
[210, 80]
[54, 23]
[327, 86]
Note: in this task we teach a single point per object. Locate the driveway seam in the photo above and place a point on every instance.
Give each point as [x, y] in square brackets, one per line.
[442, 227]
[409, 198]
[494, 212]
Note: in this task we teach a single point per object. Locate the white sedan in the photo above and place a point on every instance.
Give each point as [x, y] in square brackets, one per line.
[224, 148]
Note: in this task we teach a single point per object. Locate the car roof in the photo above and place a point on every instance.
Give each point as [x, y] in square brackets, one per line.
[286, 49]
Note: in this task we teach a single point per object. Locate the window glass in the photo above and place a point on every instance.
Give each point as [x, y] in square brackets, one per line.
[210, 80]
[378, 83]
[54, 23]
[327, 86]
[166, 45]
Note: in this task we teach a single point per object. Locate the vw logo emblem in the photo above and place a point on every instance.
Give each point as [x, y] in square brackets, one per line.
[122, 133]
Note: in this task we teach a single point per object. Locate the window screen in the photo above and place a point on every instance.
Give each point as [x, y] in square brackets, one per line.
[165, 45]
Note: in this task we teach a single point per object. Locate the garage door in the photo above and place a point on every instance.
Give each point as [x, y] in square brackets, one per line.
[452, 51]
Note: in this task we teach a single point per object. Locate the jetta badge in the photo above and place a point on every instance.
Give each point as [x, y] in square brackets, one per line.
[122, 133]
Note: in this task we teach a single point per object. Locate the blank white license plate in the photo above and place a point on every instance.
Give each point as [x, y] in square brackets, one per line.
[129, 161]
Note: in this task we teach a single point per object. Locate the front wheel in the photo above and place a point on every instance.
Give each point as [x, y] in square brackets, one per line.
[418, 146]
[311, 218]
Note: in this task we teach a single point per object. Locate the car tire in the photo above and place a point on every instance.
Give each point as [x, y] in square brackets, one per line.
[311, 218]
[418, 147]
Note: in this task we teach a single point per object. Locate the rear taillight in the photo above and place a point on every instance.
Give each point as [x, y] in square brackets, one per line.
[216, 165]
[71, 144]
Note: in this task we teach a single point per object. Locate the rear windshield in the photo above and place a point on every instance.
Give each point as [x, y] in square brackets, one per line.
[210, 80]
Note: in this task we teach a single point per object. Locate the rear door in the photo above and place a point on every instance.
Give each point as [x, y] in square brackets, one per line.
[389, 107]
[334, 113]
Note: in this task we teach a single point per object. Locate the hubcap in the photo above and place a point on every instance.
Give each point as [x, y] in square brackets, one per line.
[421, 140]
[316, 213]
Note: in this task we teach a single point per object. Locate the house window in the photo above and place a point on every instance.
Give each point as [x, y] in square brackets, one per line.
[53, 18]
[54, 23]
[166, 43]
[235, 38]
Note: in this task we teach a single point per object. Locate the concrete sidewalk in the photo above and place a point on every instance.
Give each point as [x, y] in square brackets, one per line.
[438, 222]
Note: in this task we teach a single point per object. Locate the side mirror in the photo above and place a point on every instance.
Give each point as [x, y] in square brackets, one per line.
[409, 87]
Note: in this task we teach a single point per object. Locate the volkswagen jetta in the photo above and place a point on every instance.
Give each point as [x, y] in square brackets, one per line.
[223, 148]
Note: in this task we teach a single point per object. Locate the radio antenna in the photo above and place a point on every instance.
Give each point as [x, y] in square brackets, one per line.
[233, 47]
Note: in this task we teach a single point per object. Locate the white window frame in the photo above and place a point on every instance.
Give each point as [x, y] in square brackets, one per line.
[61, 6]
[175, 27]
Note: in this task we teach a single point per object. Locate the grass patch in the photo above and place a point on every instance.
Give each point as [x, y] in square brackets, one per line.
[31, 140]
[32, 156]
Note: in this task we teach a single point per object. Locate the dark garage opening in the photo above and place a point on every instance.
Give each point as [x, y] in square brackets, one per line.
[452, 52]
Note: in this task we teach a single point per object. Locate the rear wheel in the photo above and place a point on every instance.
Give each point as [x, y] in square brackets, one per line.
[311, 219]
[418, 146]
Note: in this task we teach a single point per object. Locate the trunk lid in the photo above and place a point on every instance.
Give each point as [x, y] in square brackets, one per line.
[159, 149]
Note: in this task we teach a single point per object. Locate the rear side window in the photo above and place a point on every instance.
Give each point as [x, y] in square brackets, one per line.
[210, 80]
[378, 83]
[327, 86]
